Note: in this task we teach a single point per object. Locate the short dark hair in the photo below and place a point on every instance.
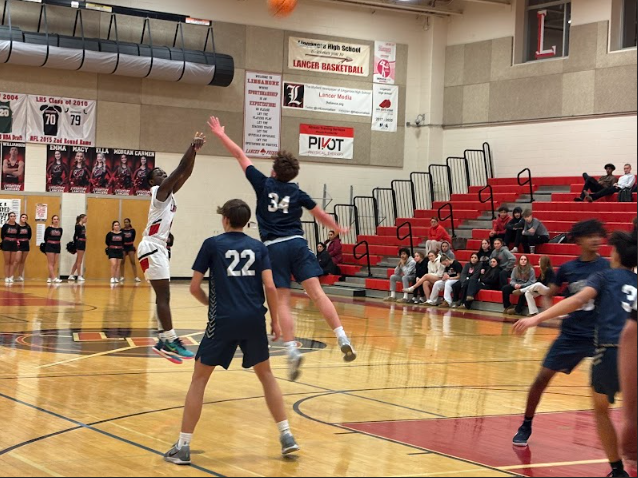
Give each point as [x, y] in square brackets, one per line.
[504, 209]
[517, 210]
[286, 166]
[404, 249]
[237, 212]
[589, 227]
[625, 244]
[610, 165]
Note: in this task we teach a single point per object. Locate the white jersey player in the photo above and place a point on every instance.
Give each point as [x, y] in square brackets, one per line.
[153, 253]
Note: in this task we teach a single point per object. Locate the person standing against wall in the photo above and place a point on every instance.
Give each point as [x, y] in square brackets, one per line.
[9, 246]
[52, 248]
[24, 246]
[79, 238]
[115, 250]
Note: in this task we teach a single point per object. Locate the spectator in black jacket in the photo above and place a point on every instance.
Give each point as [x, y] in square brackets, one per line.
[514, 229]
[485, 253]
[421, 271]
[490, 279]
[471, 270]
[325, 260]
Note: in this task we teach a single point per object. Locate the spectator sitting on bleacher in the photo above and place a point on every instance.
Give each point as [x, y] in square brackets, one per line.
[545, 279]
[593, 186]
[451, 275]
[404, 272]
[499, 225]
[522, 277]
[421, 271]
[325, 261]
[534, 234]
[484, 253]
[335, 248]
[471, 270]
[435, 272]
[506, 259]
[446, 249]
[490, 279]
[626, 181]
[436, 235]
[514, 229]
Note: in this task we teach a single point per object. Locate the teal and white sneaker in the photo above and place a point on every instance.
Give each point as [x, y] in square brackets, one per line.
[288, 444]
[160, 349]
[177, 348]
[178, 457]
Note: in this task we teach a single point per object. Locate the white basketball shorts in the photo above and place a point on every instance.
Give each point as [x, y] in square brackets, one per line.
[153, 257]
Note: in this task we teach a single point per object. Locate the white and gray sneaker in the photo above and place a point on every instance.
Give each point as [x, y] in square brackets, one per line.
[71, 279]
[294, 364]
[288, 444]
[346, 347]
[179, 457]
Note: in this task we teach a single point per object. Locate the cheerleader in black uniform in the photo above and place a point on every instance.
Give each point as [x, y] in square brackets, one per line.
[52, 248]
[24, 246]
[129, 249]
[79, 239]
[9, 246]
[115, 249]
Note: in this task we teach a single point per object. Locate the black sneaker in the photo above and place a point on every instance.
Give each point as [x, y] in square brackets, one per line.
[618, 473]
[522, 436]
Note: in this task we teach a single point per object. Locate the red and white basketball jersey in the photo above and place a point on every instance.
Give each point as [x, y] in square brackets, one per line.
[160, 216]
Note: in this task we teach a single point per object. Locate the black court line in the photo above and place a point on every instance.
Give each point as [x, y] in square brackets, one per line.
[420, 453]
[346, 433]
[80, 425]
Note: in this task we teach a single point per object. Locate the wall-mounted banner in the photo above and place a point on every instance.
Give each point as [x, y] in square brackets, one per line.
[66, 121]
[13, 117]
[81, 159]
[57, 169]
[326, 141]
[8, 206]
[122, 175]
[328, 56]
[13, 160]
[386, 108]
[328, 99]
[262, 114]
[101, 168]
[144, 164]
[385, 62]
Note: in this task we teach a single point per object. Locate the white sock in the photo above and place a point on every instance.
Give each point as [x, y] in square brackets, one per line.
[284, 427]
[339, 332]
[393, 294]
[184, 440]
[170, 335]
[291, 347]
[405, 296]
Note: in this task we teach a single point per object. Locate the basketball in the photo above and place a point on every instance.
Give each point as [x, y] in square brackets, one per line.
[281, 8]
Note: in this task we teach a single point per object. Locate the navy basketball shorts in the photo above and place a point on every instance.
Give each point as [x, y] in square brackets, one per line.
[293, 258]
[567, 352]
[604, 373]
[217, 351]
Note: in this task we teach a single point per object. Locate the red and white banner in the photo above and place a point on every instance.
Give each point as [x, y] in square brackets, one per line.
[13, 117]
[326, 141]
[328, 56]
[64, 121]
[385, 62]
[262, 114]
[386, 108]
[13, 160]
[327, 99]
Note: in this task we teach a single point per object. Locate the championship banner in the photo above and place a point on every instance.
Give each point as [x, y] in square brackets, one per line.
[386, 108]
[326, 141]
[122, 173]
[81, 159]
[262, 114]
[385, 62]
[13, 117]
[57, 169]
[101, 167]
[328, 99]
[144, 163]
[328, 56]
[64, 121]
[13, 161]
[8, 206]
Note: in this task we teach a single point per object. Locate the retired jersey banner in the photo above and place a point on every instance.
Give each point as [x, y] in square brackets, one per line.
[13, 117]
[385, 62]
[81, 159]
[262, 114]
[386, 108]
[13, 160]
[144, 164]
[328, 56]
[57, 169]
[326, 141]
[328, 99]
[101, 168]
[64, 121]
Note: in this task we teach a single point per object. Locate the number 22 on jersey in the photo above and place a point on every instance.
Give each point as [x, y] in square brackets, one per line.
[235, 257]
[276, 205]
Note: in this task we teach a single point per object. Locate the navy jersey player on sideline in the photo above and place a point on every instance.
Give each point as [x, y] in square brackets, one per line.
[613, 291]
[576, 340]
[280, 205]
[239, 271]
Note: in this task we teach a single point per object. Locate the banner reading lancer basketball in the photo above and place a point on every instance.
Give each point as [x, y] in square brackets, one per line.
[385, 62]
[144, 164]
[13, 161]
[8, 206]
[80, 172]
[262, 114]
[58, 168]
[66, 121]
[328, 56]
[101, 170]
[386, 108]
[13, 117]
[326, 141]
[122, 177]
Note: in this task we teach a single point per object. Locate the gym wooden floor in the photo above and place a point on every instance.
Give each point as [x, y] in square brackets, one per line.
[432, 393]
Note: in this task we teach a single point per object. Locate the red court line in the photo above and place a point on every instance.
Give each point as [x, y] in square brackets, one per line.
[561, 437]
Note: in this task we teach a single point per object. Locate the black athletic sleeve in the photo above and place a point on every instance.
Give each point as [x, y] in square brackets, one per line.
[30, 232]
[108, 239]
